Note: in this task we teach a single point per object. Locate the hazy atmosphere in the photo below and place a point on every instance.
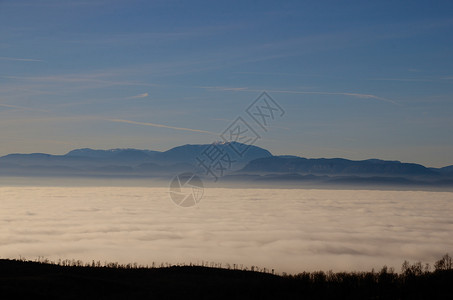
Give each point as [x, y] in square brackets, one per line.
[231, 149]
[363, 80]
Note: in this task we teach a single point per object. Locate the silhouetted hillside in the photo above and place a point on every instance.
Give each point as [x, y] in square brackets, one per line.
[123, 162]
[258, 164]
[73, 280]
[87, 152]
[446, 170]
[324, 166]
[188, 153]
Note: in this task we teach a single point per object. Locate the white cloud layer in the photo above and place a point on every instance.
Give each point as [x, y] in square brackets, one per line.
[286, 229]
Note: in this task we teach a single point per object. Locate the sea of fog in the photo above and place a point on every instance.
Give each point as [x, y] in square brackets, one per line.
[289, 230]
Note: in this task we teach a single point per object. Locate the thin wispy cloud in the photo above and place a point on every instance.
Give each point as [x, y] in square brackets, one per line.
[355, 95]
[144, 95]
[222, 88]
[78, 79]
[364, 96]
[160, 126]
[282, 74]
[22, 107]
[20, 59]
[232, 120]
[24, 87]
[161, 36]
[58, 4]
[402, 79]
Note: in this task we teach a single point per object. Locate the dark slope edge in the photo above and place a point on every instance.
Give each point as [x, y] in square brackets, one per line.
[33, 280]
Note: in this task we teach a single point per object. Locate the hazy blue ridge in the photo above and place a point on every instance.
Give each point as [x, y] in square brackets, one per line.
[254, 165]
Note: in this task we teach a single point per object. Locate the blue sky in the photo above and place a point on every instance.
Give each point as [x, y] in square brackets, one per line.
[357, 79]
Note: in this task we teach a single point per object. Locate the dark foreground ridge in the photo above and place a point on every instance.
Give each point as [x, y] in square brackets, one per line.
[28, 280]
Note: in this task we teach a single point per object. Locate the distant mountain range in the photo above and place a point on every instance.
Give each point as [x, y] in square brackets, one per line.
[129, 161]
[335, 172]
[336, 166]
[256, 165]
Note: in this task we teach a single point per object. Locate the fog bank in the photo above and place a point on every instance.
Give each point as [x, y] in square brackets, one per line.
[290, 230]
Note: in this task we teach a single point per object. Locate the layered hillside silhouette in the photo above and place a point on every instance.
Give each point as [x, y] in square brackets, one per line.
[255, 166]
[21, 279]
